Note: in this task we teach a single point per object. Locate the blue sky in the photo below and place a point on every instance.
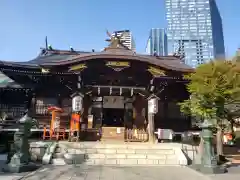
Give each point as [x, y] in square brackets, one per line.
[83, 23]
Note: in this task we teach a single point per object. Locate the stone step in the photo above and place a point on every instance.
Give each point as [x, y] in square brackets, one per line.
[132, 162]
[132, 159]
[129, 156]
[123, 151]
[58, 155]
[58, 162]
[99, 145]
[59, 149]
[96, 153]
[119, 161]
[123, 154]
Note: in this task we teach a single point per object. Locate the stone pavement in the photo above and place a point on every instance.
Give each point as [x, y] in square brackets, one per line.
[233, 174]
[10, 176]
[84, 172]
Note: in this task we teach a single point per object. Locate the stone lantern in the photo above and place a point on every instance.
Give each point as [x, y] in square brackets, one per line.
[208, 161]
[20, 161]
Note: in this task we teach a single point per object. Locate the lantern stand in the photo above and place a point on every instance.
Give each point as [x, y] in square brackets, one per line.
[74, 127]
[77, 101]
[55, 130]
[152, 110]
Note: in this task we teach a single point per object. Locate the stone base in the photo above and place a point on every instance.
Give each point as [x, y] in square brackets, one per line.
[209, 170]
[20, 168]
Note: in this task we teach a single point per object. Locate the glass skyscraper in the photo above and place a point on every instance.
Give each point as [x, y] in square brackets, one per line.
[195, 30]
[157, 42]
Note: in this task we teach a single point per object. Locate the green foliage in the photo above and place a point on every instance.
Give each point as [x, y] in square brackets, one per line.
[212, 86]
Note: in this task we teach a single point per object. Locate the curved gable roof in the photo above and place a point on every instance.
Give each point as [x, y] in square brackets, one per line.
[58, 57]
[168, 62]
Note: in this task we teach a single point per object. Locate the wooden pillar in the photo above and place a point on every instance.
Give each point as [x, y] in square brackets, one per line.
[59, 100]
[86, 105]
[139, 115]
[97, 114]
[128, 114]
[31, 103]
[165, 107]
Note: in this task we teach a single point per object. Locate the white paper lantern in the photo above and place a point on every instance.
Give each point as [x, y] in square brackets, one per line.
[77, 103]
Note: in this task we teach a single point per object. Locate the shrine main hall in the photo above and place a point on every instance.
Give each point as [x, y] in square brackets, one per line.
[115, 85]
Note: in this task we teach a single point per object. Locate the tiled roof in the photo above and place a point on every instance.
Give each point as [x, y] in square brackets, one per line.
[50, 58]
[5, 81]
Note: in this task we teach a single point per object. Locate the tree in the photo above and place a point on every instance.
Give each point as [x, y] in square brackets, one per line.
[212, 88]
[232, 112]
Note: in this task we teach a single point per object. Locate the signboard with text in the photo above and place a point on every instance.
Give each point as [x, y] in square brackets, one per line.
[118, 65]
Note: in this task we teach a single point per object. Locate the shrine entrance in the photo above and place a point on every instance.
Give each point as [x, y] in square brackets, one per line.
[113, 111]
[113, 117]
[119, 117]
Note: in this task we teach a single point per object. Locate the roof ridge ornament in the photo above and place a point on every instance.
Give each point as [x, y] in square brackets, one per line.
[115, 40]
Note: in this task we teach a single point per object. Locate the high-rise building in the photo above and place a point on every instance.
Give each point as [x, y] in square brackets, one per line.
[127, 38]
[238, 52]
[157, 42]
[237, 56]
[195, 30]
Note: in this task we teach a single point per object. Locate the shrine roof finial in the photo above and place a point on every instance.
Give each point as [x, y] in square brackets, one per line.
[116, 40]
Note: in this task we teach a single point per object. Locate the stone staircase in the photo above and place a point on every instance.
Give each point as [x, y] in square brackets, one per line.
[122, 154]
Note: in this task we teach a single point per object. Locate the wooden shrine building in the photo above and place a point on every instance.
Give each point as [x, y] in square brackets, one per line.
[115, 83]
